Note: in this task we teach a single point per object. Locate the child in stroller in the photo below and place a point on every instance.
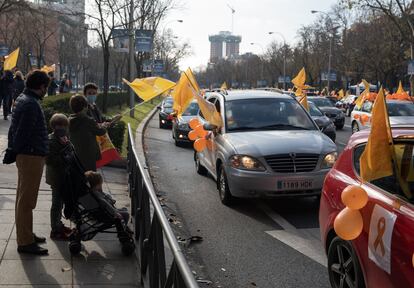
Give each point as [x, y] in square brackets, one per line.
[92, 210]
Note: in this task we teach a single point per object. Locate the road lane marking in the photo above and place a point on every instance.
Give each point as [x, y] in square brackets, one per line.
[348, 126]
[305, 241]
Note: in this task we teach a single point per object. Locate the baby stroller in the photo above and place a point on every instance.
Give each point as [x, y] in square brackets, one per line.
[91, 212]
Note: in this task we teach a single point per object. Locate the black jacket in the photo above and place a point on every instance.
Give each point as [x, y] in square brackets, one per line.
[96, 114]
[18, 87]
[28, 131]
[7, 85]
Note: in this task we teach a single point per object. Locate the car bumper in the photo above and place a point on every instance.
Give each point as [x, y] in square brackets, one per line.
[249, 184]
[338, 121]
[182, 135]
[165, 122]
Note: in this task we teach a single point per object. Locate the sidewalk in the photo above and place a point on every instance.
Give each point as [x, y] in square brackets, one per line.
[100, 264]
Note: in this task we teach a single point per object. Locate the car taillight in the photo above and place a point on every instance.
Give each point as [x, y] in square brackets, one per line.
[169, 117]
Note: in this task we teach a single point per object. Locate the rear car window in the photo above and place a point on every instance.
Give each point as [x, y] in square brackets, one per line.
[404, 152]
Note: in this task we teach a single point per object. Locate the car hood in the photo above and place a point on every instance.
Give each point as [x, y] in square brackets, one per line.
[321, 121]
[330, 110]
[402, 120]
[263, 143]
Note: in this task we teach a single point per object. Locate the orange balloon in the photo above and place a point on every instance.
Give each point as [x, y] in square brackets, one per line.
[356, 116]
[348, 224]
[354, 197]
[194, 123]
[192, 135]
[209, 144]
[413, 260]
[200, 144]
[200, 131]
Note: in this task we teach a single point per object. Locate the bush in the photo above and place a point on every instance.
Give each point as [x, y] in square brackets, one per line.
[116, 133]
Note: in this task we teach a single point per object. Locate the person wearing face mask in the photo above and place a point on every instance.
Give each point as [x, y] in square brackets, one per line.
[83, 131]
[90, 91]
[28, 142]
[55, 177]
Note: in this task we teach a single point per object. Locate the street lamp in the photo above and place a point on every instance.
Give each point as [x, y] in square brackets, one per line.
[284, 57]
[330, 43]
[261, 46]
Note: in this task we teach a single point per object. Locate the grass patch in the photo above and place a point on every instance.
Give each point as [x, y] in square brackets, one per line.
[141, 111]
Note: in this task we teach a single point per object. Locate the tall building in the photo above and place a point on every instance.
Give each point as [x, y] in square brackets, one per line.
[223, 45]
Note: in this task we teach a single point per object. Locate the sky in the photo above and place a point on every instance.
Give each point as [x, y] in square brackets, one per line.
[253, 20]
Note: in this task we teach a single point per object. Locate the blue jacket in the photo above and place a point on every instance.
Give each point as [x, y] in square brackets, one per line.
[28, 131]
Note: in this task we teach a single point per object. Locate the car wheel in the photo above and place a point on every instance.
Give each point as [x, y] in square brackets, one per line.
[223, 187]
[343, 265]
[355, 127]
[199, 168]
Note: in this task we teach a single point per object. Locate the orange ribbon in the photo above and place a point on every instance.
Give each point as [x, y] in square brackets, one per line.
[381, 231]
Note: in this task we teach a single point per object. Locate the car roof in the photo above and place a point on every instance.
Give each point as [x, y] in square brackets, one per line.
[397, 132]
[250, 94]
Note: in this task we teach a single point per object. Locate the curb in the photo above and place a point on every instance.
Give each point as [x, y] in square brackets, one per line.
[139, 136]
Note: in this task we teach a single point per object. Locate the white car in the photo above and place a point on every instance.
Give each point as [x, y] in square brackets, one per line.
[400, 113]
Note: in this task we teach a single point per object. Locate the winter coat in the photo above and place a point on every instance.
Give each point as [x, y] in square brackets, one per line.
[83, 131]
[55, 164]
[28, 130]
[51, 90]
[95, 113]
[18, 87]
[7, 85]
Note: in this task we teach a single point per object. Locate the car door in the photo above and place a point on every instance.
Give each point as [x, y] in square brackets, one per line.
[386, 245]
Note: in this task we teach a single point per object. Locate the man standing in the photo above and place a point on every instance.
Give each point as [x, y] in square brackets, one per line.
[28, 140]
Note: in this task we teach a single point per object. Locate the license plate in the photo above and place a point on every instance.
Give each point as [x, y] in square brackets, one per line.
[286, 185]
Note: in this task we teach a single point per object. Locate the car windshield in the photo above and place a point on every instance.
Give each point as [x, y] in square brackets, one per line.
[400, 109]
[266, 114]
[192, 110]
[314, 111]
[321, 102]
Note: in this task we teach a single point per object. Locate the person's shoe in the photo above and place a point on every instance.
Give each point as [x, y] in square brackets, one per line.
[59, 236]
[32, 249]
[5, 118]
[39, 239]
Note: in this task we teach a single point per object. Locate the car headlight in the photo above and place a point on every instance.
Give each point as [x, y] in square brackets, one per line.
[183, 126]
[245, 162]
[329, 160]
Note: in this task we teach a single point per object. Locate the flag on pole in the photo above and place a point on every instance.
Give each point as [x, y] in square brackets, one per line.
[108, 150]
[304, 102]
[340, 94]
[148, 88]
[11, 60]
[183, 94]
[208, 109]
[300, 79]
[360, 100]
[376, 160]
[400, 89]
[224, 86]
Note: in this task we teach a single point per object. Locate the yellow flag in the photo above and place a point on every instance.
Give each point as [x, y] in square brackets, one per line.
[304, 102]
[376, 160]
[208, 109]
[224, 86]
[300, 79]
[360, 100]
[182, 94]
[148, 88]
[48, 69]
[400, 89]
[11, 60]
[341, 94]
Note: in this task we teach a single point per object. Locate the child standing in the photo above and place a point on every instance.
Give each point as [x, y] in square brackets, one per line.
[55, 166]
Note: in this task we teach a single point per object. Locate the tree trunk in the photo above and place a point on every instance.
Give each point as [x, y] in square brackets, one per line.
[106, 55]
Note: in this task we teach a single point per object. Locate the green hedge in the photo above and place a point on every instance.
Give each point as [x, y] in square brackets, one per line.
[60, 104]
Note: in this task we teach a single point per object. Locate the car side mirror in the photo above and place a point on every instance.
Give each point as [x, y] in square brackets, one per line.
[209, 127]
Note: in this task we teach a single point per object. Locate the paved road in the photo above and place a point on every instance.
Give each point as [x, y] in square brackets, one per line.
[255, 243]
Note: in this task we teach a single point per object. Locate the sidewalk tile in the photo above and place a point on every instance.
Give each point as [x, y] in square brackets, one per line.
[58, 250]
[5, 230]
[105, 272]
[3, 244]
[102, 250]
[7, 216]
[7, 202]
[35, 272]
[40, 230]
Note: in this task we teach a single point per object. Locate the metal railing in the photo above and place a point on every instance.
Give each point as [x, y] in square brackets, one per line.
[151, 226]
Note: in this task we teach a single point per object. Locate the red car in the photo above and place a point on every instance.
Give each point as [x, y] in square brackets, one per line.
[382, 255]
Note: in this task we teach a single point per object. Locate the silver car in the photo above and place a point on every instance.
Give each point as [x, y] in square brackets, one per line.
[269, 146]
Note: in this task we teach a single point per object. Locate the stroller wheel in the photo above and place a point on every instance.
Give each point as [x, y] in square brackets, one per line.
[75, 247]
[128, 248]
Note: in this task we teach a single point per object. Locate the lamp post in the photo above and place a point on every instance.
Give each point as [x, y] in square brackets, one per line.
[284, 57]
[131, 58]
[330, 44]
[261, 46]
